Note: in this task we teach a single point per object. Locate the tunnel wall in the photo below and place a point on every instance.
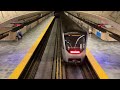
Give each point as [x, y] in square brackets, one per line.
[12, 35]
[103, 36]
[106, 17]
[7, 15]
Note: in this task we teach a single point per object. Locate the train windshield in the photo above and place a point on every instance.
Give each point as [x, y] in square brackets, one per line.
[74, 42]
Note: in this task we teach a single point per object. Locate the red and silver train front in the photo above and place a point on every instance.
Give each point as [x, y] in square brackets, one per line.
[74, 47]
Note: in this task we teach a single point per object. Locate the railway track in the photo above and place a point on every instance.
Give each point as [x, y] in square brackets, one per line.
[57, 66]
[87, 70]
[79, 71]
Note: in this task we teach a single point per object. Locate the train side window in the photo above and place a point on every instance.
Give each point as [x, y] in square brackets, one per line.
[83, 43]
[81, 46]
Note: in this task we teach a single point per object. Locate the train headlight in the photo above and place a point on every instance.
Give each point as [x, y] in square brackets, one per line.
[75, 52]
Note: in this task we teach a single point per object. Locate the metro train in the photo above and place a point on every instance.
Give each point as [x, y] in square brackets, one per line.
[74, 40]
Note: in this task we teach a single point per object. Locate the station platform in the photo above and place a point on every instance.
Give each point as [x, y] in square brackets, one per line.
[107, 55]
[11, 53]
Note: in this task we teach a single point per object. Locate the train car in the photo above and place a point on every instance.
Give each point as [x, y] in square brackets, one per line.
[74, 40]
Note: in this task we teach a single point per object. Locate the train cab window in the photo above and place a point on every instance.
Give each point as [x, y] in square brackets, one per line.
[80, 43]
[75, 42]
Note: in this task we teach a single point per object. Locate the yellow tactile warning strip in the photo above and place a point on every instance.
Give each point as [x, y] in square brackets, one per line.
[98, 69]
[18, 70]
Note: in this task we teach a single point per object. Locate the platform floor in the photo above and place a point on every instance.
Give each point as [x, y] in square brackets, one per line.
[11, 53]
[107, 54]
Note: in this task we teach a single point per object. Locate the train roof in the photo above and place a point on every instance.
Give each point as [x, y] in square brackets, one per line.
[70, 25]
